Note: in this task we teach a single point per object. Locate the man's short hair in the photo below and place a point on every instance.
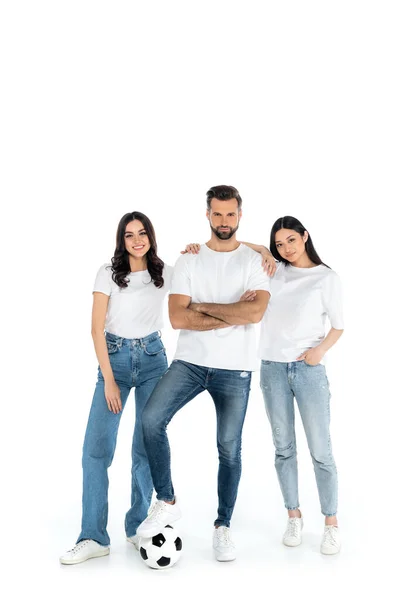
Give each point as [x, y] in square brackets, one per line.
[223, 192]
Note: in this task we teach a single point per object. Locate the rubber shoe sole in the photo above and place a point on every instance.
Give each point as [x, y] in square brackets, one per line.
[76, 561]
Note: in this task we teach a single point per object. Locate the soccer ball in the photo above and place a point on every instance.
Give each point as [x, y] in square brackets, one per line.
[162, 550]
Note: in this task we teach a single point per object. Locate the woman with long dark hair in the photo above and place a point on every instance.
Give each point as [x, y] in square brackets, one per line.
[304, 291]
[128, 296]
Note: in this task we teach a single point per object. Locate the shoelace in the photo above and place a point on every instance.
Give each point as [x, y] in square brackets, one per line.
[293, 527]
[330, 538]
[78, 546]
[223, 536]
[156, 509]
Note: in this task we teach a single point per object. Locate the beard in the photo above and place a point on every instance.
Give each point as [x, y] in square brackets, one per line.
[224, 235]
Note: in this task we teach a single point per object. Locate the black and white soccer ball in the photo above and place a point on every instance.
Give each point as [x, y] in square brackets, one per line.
[162, 550]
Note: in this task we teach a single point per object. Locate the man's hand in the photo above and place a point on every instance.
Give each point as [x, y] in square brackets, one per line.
[248, 296]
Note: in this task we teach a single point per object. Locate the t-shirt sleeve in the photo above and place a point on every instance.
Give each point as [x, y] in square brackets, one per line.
[258, 279]
[181, 278]
[332, 300]
[103, 280]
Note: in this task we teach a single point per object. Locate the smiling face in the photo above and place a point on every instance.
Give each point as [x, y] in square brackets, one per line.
[224, 217]
[137, 243]
[291, 245]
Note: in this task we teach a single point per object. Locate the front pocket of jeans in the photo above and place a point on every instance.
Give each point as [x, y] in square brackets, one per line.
[153, 347]
[112, 347]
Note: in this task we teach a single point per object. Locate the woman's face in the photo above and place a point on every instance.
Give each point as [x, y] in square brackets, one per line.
[136, 240]
[290, 244]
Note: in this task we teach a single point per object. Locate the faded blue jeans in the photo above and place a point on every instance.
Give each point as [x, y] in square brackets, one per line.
[280, 383]
[181, 383]
[137, 363]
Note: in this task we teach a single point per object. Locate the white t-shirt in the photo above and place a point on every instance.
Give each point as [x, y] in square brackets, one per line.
[295, 318]
[221, 278]
[137, 310]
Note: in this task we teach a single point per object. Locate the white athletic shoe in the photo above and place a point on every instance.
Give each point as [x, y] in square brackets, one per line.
[83, 551]
[135, 540]
[292, 535]
[160, 515]
[331, 543]
[224, 548]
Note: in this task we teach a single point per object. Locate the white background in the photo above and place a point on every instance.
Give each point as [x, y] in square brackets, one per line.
[110, 107]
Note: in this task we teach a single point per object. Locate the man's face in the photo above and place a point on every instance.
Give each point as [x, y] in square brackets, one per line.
[224, 217]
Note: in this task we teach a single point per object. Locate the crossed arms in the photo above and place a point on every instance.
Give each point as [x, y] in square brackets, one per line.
[205, 316]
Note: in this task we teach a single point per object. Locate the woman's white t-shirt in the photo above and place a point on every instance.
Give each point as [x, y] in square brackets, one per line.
[295, 319]
[137, 310]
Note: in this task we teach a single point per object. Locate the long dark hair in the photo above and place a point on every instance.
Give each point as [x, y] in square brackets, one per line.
[120, 261]
[293, 223]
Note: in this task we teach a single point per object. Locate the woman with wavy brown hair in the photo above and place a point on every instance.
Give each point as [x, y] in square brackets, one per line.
[128, 297]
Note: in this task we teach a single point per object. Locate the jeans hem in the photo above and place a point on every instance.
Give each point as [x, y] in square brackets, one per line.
[222, 523]
[87, 537]
[329, 514]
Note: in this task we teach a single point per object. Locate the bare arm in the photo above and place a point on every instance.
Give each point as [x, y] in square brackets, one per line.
[331, 338]
[99, 312]
[237, 313]
[268, 261]
[313, 356]
[257, 248]
[182, 317]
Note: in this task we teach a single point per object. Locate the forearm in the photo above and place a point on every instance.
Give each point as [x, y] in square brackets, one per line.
[256, 247]
[100, 346]
[331, 339]
[237, 313]
[186, 318]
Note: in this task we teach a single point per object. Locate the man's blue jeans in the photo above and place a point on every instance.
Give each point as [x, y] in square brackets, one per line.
[180, 384]
[137, 363]
[280, 383]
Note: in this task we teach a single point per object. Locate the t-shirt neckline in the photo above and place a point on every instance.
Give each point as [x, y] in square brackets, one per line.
[228, 252]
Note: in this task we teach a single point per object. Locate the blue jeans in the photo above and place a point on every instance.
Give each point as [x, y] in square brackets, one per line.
[137, 363]
[280, 383]
[180, 384]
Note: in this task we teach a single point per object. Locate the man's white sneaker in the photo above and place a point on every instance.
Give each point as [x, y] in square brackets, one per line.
[135, 540]
[224, 548]
[83, 551]
[160, 515]
[331, 543]
[292, 535]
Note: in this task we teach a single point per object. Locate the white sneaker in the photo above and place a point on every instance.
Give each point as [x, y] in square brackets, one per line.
[83, 551]
[135, 540]
[331, 543]
[224, 548]
[292, 535]
[160, 515]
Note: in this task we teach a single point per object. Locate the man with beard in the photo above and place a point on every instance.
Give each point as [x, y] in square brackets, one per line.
[216, 298]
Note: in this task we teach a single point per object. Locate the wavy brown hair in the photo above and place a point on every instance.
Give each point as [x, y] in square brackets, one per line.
[120, 261]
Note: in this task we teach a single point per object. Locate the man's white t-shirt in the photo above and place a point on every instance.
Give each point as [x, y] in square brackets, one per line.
[221, 278]
[295, 319]
[137, 310]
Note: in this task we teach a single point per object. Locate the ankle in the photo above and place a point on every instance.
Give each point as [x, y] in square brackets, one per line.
[294, 513]
[331, 521]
